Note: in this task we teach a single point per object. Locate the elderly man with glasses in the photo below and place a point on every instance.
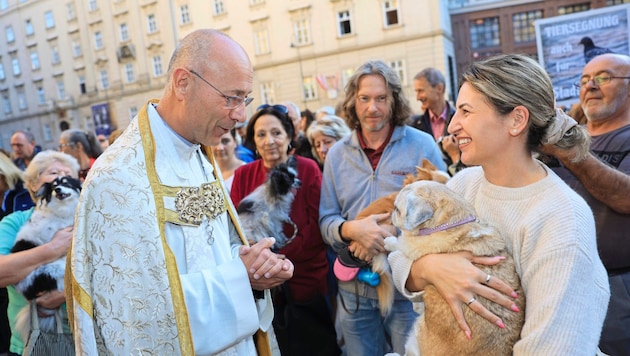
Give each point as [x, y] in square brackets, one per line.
[159, 264]
[603, 180]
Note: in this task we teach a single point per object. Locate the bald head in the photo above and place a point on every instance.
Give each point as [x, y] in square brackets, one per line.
[208, 47]
[208, 73]
[606, 105]
[617, 60]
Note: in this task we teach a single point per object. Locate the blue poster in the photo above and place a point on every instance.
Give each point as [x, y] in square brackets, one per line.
[565, 44]
[102, 121]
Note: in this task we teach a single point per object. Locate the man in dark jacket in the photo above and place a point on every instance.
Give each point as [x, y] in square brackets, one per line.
[430, 86]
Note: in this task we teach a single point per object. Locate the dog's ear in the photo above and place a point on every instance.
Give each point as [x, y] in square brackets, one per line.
[426, 164]
[418, 212]
[292, 162]
[410, 210]
[44, 193]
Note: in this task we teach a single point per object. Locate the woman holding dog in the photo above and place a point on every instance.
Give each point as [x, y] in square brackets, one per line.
[505, 112]
[272, 131]
[44, 168]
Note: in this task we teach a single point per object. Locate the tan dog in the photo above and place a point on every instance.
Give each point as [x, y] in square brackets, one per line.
[434, 219]
[385, 289]
[386, 204]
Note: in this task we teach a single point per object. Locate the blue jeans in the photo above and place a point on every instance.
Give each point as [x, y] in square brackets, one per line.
[615, 339]
[365, 330]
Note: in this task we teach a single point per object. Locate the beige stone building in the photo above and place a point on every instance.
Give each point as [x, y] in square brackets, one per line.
[91, 64]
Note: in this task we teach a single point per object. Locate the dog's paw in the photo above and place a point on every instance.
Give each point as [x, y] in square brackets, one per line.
[391, 243]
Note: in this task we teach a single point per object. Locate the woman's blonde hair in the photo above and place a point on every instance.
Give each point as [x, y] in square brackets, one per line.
[512, 80]
[42, 161]
[11, 173]
[328, 125]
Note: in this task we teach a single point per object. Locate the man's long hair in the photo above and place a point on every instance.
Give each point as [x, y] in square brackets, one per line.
[399, 105]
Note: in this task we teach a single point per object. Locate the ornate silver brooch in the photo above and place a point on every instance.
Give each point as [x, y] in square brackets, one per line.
[193, 203]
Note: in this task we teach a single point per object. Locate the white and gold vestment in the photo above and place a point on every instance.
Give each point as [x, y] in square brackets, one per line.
[154, 266]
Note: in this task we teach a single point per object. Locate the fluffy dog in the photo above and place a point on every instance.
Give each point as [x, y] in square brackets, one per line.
[265, 210]
[385, 289]
[56, 204]
[434, 219]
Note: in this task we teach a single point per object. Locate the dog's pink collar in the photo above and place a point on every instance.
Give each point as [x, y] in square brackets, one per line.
[429, 231]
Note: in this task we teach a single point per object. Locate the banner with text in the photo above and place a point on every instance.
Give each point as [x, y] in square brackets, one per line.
[566, 43]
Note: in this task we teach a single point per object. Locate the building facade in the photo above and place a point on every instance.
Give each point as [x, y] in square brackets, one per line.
[483, 28]
[91, 64]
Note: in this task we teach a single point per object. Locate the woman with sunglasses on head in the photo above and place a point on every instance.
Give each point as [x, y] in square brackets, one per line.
[272, 132]
[81, 145]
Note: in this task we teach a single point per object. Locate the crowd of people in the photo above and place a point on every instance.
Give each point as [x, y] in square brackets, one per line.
[158, 262]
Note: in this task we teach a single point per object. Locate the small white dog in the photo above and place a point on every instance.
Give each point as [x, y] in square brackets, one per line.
[56, 204]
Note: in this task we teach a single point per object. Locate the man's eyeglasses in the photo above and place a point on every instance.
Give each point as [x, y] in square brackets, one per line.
[61, 146]
[280, 108]
[231, 102]
[598, 80]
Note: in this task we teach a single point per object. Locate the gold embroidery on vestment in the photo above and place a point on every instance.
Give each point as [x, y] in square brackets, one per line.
[193, 203]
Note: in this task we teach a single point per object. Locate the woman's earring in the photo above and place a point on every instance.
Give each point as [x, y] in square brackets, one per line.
[514, 131]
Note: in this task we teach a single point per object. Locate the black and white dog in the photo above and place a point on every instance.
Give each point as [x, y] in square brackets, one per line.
[265, 210]
[56, 204]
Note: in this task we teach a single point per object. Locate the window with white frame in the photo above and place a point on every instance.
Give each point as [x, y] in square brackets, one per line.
[35, 61]
[4, 4]
[184, 14]
[399, 67]
[157, 66]
[309, 88]
[390, 13]
[98, 40]
[28, 28]
[129, 73]
[92, 5]
[54, 55]
[267, 93]
[71, 14]
[41, 95]
[217, 7]
[151, 23]
[10, 34]
[16, 66]
[344, 25]
[2, 74]
[261, 41]
[124, 32]
[49, 19]
[133, 111]
[22, 105]
[76, 49]
[302, 31]
[61, 90]
[6, 102]
[104, 79]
